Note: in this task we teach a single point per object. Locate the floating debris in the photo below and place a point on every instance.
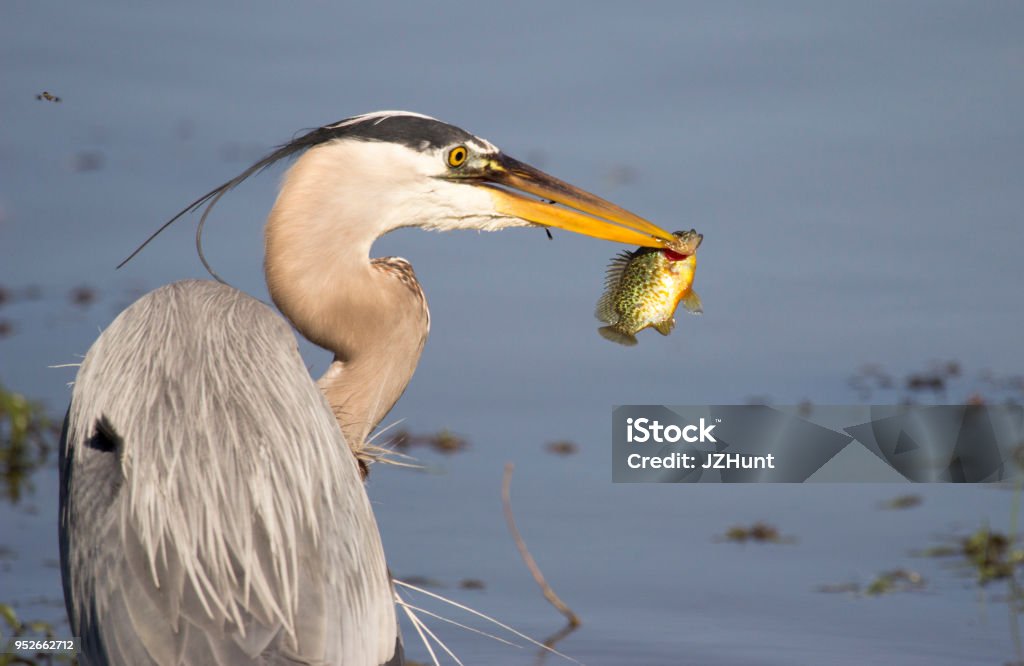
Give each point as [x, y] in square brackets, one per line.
[448, 442]
[926, 382]
[6, 328]
[46, 96]
[562, 448]
[472, 584]
[423, 581]
[897, 580]
[888, 582]
[82, 296]
[935, 379]
[903, 502]
[940, 381]
[758, 532]
[444, 441]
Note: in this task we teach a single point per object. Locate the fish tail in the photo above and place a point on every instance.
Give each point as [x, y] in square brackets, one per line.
[615, 335]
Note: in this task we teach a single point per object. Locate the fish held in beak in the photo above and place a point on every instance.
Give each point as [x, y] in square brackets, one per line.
[644, 287]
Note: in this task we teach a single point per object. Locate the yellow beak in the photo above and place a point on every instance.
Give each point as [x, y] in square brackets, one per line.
[580, 211]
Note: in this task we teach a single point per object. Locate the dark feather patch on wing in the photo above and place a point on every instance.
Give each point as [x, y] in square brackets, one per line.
[105, 438]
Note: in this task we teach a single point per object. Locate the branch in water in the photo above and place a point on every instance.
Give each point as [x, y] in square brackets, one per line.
[549, 594]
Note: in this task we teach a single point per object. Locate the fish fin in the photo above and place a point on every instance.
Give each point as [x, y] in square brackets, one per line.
[665, 327]
[692, 303]
[605, 310]
[613, 274]
[615, 335]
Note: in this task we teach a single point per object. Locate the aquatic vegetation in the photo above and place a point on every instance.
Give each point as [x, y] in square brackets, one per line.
[887, 582]
[444, 441]
[989, 555]
[896, 580]
[940, 382]
[12, 627]
[759, 532]
[27, 435]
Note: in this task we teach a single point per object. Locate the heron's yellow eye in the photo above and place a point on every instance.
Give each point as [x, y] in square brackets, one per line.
[457, 156]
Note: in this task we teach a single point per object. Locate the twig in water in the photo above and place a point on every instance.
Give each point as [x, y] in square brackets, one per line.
[549, 594]
[553, 640]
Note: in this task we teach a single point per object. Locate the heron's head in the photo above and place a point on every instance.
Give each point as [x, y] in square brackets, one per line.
[392, 169]
[396, 169]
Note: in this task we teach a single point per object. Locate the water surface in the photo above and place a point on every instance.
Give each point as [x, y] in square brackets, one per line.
[856, 171]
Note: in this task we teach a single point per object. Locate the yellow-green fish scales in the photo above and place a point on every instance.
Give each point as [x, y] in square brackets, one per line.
[644, 288]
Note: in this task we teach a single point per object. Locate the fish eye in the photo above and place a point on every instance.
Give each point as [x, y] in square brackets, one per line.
[457, 156]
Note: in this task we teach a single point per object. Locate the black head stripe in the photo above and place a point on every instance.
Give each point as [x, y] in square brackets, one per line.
[416, 132]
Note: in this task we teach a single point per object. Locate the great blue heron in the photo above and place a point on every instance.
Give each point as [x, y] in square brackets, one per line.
[211, 509]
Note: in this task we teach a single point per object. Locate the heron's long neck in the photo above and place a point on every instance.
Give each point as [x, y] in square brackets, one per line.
[320, 276]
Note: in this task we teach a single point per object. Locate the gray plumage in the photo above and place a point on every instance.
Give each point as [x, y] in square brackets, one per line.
[212, 509]
[243, 531]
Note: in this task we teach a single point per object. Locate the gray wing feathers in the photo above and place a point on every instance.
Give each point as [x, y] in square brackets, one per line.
[230, 525]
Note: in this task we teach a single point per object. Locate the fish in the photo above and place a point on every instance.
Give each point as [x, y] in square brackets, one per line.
[644, 287]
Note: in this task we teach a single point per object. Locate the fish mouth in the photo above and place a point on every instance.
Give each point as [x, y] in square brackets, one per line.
[511, 184]
[672, 255]
[686, 243]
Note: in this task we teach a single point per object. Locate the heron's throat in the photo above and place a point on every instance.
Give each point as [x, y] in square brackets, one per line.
[320, 276]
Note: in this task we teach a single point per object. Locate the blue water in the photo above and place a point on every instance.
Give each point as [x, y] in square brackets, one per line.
[857, 173]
